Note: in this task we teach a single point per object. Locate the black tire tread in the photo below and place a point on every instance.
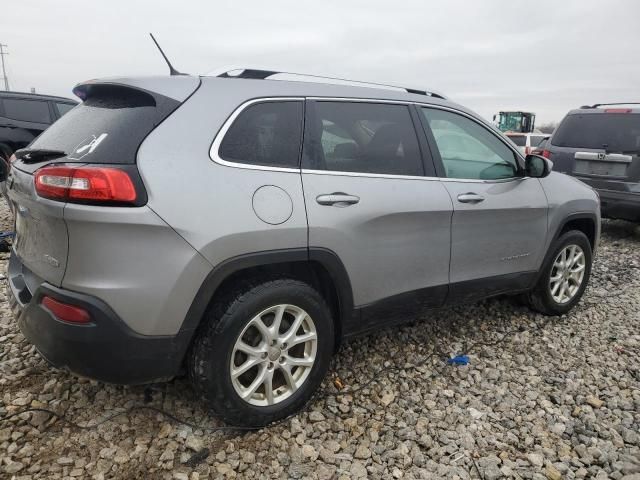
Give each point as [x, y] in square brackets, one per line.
[218, 314]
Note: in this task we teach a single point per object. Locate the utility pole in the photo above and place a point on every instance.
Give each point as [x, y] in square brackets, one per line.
[4, 72]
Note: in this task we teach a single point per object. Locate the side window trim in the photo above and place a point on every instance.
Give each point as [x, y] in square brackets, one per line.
[427, 160]
[217, 140]
[436, 153]
[53, 111]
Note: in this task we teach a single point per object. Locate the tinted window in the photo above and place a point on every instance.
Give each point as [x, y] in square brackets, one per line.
[535, 140]
[615, 132]
[63, 107]
[266, 134]
[27, 110]
[363, 137]
[519, 140]
[108, 127]
[469, 150]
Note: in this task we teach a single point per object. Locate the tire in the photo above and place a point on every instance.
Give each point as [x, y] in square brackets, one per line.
[232, 318]
[542, 298]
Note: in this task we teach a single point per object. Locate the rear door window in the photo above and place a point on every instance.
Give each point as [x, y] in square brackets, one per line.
[35, 111]
[613, 132]
[362, 137]
[266, 134]
[108, 127]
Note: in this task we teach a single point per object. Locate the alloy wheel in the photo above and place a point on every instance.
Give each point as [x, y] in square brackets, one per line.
[567, 274]
[273, 355]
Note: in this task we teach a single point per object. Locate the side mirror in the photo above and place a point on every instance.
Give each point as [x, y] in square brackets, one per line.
[537, 166]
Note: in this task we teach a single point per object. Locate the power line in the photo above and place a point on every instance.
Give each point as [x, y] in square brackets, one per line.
[4, 72]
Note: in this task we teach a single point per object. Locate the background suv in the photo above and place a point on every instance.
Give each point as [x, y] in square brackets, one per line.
[600, 145]
[243, 225]
[24, 116]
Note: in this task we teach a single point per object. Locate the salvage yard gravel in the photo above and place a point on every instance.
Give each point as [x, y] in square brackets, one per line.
[540, 398]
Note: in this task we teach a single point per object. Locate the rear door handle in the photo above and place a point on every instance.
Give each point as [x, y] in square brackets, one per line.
[470, 198]
[337, 199]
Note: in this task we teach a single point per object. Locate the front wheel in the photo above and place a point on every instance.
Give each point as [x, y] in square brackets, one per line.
[564, 275]
[263, 352]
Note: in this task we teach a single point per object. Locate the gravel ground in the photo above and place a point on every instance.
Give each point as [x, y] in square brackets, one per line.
[541, 398]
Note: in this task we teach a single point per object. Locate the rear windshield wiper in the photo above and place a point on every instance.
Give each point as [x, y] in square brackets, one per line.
[32, 155]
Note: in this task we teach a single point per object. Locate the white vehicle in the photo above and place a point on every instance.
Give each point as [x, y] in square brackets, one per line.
[526, 142]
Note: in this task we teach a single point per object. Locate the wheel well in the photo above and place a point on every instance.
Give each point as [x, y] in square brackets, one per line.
[311, 272]
[584, 225]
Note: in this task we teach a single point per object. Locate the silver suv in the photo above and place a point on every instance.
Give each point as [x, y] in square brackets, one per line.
[242, 226]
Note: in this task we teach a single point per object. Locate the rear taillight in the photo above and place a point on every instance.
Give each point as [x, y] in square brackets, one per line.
[546, 153]
[86, 185]
[527, 150]
[65, 312]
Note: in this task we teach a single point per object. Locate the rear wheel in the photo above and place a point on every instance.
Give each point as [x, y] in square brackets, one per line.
[263, 352]
[564, 276]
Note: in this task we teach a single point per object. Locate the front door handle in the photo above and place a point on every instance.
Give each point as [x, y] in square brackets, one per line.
[470, 197]
[337, 199]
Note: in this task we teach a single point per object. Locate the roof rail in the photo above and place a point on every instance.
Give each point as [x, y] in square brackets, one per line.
[596, 105]
[258, 74]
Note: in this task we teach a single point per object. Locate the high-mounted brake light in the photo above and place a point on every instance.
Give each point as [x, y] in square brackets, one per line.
[65, 312]
[617, 110]
[85, 184]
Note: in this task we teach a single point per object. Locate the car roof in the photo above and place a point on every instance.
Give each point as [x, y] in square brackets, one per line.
[603, 107]
[35, 96]
[177, 86]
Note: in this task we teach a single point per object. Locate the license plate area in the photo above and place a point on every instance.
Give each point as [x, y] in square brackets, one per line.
[600, 168]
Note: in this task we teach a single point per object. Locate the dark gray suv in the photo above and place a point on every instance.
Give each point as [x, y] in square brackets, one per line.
[24, 116]
[242, 225]
[600, 145]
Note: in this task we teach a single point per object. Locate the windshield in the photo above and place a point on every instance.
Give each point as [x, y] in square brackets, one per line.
[614, 132]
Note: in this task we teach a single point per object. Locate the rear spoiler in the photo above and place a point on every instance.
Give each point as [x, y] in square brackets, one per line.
[178, 88]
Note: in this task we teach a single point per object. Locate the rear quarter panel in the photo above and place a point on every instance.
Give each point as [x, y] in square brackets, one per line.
[211, 205]
[132, 260]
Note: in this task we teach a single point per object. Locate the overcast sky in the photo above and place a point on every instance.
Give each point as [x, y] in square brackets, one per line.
[542, 56]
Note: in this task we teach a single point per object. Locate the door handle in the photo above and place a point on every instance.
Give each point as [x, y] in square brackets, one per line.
[470, 197]
[337, 199]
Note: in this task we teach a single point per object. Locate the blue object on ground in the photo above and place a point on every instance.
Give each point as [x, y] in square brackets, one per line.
[6, 234]
[458, 360]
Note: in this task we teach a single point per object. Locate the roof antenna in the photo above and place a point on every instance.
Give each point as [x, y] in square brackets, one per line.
[172, 71]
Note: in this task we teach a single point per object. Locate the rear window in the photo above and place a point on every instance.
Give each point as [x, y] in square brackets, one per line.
[267, 134]
[519, 140]
[615, 132]
[36, 111]
[108, 127]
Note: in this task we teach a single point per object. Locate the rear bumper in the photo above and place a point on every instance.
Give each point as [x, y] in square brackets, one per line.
[621, 204]
[105, 350]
